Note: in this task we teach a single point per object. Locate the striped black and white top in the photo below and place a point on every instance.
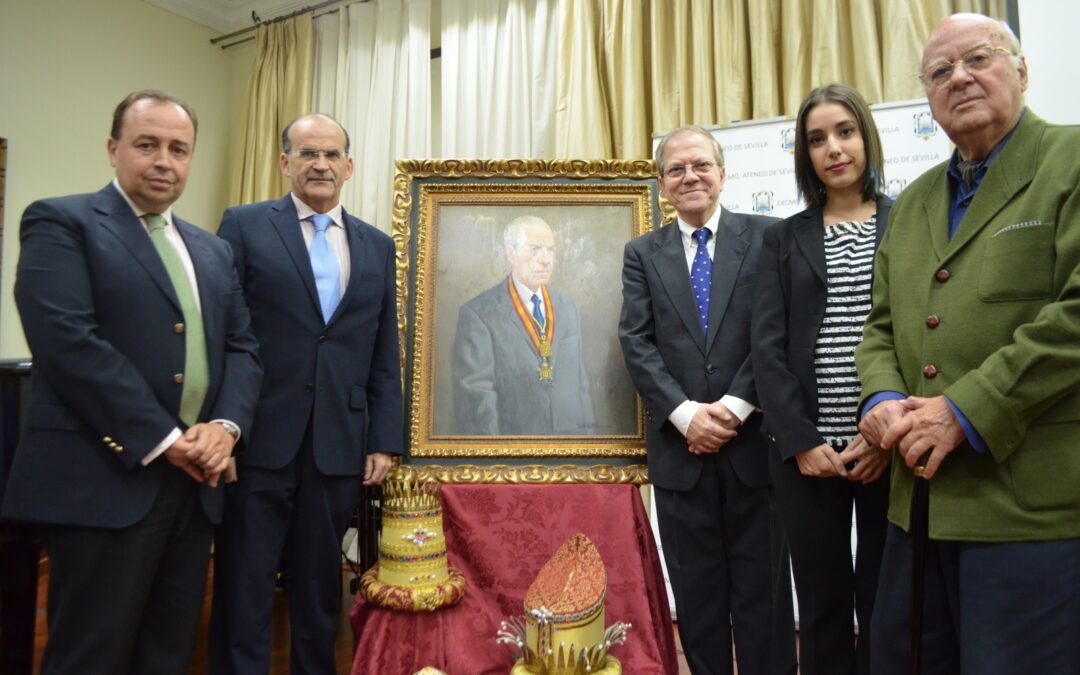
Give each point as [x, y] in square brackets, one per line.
[849, 265]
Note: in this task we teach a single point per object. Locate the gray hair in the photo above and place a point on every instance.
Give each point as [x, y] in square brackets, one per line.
[1003, 32]
[514, 233]
[658, 156]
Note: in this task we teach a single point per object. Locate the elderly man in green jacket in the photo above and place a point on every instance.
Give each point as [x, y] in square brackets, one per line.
[970, 366]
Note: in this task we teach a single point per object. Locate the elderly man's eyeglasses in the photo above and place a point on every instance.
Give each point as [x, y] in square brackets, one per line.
[308, 155]
[973, 61]
[679, 170]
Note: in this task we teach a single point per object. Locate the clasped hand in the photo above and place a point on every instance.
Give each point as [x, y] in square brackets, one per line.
[915, 426]
[867, 461]
[712, 426]
[203, 452]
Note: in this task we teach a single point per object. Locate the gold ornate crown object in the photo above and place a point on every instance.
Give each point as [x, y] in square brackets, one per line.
[412, 573]
[562, 631]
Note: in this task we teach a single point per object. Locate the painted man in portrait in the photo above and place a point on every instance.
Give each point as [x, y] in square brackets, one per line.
[517, 366]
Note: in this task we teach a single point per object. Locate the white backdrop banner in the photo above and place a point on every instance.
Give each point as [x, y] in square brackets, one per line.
[761, 166]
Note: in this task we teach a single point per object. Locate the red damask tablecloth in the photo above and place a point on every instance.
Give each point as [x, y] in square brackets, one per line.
[499, 536]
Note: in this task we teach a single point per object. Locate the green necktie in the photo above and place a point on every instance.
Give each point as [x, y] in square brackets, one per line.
[196, 371]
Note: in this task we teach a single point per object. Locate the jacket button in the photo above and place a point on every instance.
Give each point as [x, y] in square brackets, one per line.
[178, 328]
[322, 339]
[308, 388]
[930, 371]
[933, 321]
[118, 449]
[710, 369]
[178, 378]
[107, 439]
[942, 275]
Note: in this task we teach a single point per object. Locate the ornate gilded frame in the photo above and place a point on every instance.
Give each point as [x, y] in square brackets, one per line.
[428, 196]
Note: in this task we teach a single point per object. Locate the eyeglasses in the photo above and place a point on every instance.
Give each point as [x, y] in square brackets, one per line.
[974, 61]
[679, 170]
[308, 156]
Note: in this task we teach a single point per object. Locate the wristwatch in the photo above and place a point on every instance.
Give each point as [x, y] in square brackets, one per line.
[233, 430]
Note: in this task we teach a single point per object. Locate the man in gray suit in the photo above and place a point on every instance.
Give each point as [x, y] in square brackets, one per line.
[685, 335]
[517, 353]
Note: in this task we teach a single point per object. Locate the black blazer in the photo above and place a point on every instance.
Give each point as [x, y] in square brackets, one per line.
[670, 361]
[789, 306]
[345, 375]
[101, 316]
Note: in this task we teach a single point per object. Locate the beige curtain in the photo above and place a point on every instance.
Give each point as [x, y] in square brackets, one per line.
[373, 74]
[631, 68]
[279, 90]
[498, 81]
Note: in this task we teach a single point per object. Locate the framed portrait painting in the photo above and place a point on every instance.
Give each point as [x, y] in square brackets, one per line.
[509, 296]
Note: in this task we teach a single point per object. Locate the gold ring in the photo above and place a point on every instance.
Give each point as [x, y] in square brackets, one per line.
[919, 471]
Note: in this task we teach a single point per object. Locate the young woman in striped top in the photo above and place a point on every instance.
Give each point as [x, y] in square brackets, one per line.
[813, 294]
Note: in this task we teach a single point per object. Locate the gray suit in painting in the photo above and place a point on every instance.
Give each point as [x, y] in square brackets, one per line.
[497, 390]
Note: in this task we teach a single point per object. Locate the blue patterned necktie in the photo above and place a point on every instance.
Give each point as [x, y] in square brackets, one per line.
[325, 266]
[537, 314]
[701, 276]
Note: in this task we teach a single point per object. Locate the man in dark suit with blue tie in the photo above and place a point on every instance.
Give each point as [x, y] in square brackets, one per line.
[320, 284]
[685, 335]
[145, 373]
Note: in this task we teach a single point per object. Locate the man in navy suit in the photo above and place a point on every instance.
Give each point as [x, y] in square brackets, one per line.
[320, 284]
[685, 335]
[145, 373]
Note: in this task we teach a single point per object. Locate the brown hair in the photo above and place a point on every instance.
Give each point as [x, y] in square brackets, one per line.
[811, 189]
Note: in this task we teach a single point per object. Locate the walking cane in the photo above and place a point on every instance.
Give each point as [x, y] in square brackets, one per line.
[920, 534]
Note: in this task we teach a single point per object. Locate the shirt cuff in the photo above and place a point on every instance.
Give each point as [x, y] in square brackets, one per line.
[738, 407]
[683, 415]
[880, 397]
[161, 447]
[970, 432]
[239, 432]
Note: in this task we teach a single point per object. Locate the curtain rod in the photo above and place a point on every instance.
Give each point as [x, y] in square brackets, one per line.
[244, 31]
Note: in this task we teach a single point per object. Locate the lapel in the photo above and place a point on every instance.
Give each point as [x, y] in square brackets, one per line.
[1011, 172]
[286, 222]
[728, 256]
[117, 217]
[669, 260]
[810, 238]
[201, 257]
[358, 261]
[884, 204]
[205, 272]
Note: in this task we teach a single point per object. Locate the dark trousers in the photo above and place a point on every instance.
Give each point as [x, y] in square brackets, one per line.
[261, 509]
[817, 519]
[129, 600]
[728, 566]
[991, 608]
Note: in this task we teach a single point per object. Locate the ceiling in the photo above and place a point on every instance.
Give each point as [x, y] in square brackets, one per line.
[229, 15]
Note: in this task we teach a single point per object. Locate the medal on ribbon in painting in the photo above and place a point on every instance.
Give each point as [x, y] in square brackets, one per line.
[545, 372]
[541, 336]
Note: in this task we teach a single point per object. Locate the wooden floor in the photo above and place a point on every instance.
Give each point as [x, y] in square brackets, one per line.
[279, 658]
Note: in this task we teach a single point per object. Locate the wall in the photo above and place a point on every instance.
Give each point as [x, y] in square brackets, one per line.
[65, 66]
[1047, 30]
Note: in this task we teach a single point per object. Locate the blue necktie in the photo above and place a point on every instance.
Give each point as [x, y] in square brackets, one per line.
[325, 266]
[537, 314]
[701, 276]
